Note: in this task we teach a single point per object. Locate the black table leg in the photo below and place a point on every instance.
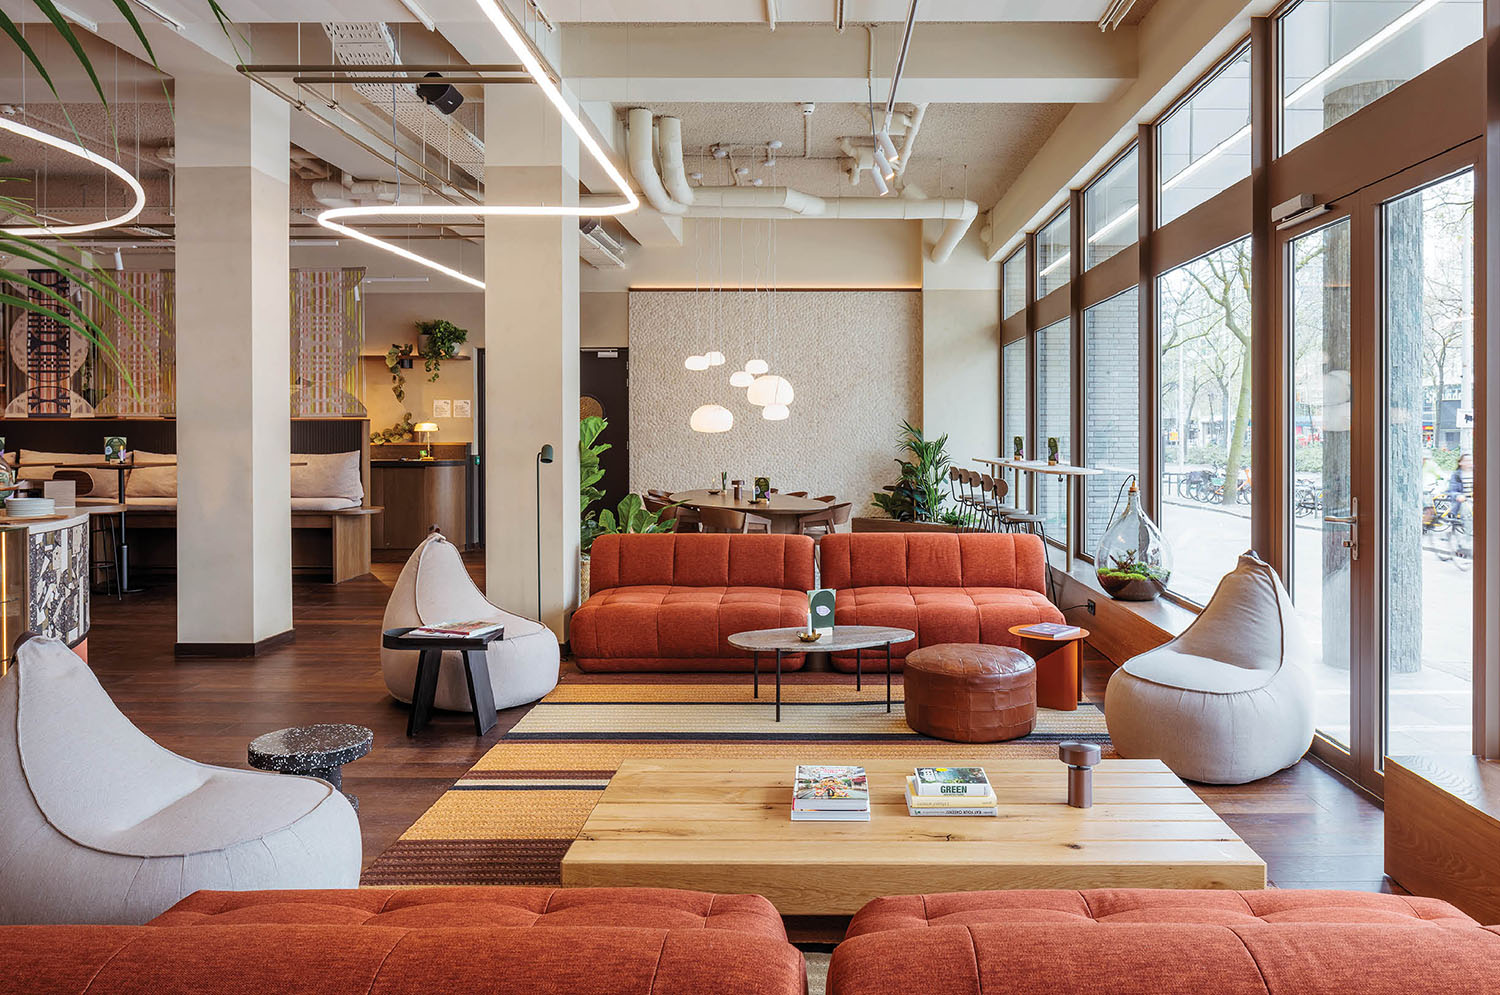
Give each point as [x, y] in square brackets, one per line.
[481, 690]
[123, 549]
[859, 677]
[423, 690]
[778, 685]
[756, 655]
[888, 678]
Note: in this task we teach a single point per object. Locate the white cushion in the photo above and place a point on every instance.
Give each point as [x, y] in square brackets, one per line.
[106, 482]
[146, 481]
[323, 503]
[327, 475]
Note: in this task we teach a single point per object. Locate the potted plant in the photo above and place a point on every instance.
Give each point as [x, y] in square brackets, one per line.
[397, 359]
[1016, 447]
[590, 474]
[919, 494]
[1052, 450]
[438, 340]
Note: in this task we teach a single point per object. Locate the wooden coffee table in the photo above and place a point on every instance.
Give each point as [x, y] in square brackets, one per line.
[725, 826]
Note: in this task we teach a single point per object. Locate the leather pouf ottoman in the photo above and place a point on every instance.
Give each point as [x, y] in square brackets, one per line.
[970, 693]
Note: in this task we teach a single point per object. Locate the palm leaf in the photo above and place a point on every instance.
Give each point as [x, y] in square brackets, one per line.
[59, 22]
[123, 7]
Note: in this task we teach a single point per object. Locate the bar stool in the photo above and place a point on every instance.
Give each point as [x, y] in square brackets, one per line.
[103, 533]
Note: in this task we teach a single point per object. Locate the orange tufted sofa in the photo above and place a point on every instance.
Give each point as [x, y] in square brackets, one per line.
[671, 601]
[1126, 941]
[945, 587]
[420, 941]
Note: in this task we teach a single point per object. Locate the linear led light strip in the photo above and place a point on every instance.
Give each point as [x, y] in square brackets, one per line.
[491, 9]
[80, 152]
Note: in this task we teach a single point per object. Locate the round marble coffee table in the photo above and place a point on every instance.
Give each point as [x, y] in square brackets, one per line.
[316, 751]
[843, 639]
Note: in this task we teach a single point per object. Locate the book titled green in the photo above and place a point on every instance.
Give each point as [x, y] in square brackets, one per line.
[952, 781]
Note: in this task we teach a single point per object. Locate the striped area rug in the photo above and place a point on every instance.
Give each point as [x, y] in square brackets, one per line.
[511, 818]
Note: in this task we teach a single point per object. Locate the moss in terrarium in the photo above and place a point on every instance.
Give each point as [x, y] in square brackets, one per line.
[1130, 579]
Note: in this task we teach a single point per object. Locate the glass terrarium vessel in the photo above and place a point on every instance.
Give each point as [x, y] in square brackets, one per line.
[1133, 561]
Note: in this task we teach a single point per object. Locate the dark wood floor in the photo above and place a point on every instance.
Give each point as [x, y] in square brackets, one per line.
[1312, 828]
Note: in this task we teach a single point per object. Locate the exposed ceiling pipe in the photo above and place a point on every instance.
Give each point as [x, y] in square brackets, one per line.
[1114, 13]
[890, 100]
[673, 173]
[838, 16]
[642, 167]
[726, 202]
[911, 136]
[771, 13]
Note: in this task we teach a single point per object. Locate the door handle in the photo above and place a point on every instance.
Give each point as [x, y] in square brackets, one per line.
[1351, 520]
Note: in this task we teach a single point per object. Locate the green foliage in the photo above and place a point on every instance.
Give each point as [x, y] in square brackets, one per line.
[394, 356]
[919, 494]
[1308, 458]
[952, 516]
[590, 474]
[632, 516]
[1446, 459]
[402, 431]
[443, 340]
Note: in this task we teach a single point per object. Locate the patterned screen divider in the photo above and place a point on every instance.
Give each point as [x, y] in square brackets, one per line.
[328, 330]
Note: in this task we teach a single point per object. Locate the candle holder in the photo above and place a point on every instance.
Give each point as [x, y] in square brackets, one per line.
[1080, 758]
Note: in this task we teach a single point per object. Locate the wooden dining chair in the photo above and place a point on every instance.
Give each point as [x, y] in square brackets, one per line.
[825, 522]
[796, 494]
[827, 498]
[729, 520]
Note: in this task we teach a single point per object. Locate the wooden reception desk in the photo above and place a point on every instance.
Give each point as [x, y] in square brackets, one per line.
[418, 494]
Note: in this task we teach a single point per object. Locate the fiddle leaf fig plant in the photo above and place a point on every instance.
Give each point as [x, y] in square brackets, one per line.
[590, 474]
[632, 516]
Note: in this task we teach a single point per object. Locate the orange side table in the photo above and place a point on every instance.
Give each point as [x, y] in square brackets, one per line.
[1059, 667]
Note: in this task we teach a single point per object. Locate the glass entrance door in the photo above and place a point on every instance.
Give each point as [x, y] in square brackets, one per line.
[1427, 318]
[1324, 509]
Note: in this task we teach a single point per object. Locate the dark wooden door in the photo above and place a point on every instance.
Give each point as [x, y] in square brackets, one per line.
[604, 389]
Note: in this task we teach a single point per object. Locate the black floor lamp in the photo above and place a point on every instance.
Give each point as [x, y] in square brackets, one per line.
[544, 455]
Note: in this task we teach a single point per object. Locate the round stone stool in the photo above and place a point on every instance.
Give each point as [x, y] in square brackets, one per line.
[970, 693]
[315, 751]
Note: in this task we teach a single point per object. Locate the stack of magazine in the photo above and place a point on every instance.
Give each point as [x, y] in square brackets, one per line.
[950, 791]
[830, 793]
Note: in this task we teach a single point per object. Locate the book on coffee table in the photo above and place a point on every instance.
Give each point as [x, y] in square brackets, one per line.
[830, 788]
[1050, 630]
[960, 805]
[474, 629]
[952, 781]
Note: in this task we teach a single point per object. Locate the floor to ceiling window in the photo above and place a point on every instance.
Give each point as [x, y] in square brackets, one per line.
[1110, 209]
[1340, 55]
[1052, 254]
[1111, 407]
[1203, 333]
[1013, 413]
[1054, 417]
[1429, 467]
[1203, 147]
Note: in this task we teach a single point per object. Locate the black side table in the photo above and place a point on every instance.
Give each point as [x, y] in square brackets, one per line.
[316, 751]
[476, 672]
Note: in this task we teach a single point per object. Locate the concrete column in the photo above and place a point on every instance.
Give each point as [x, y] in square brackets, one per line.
[961, 349]
[234, 590]
[531, 357]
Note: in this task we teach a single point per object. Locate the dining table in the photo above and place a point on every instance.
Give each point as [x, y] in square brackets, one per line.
[782, 509]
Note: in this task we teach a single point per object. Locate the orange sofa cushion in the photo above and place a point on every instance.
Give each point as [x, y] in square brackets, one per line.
[504, 941]
[945, 587]
[671, 602]
[1126, 941]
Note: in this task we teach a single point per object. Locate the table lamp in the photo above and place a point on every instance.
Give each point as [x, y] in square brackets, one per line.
[424, 430]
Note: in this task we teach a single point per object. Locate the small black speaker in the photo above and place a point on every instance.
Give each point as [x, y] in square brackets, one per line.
[444, 96]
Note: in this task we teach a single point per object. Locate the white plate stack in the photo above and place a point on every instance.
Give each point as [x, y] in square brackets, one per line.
[29, 507]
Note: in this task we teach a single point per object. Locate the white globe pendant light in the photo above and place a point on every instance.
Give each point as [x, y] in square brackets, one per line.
[757, 367]
[775, 412]
[715, 358]
[711, 418]
[769, 390]
[696, 363]
[739, 378]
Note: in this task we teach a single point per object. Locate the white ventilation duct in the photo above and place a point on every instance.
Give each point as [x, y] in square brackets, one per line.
[674, 176]
[363, 193]
[777, 202]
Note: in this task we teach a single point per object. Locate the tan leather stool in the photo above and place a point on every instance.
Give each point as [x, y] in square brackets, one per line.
[970, 693]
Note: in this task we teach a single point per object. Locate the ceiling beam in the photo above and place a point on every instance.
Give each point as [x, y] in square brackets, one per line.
[1027, 62]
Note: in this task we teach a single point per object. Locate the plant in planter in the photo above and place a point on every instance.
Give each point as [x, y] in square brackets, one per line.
[402, 431]
[397, 359]
[919, 494]
[1052, 449]
[632, 516]
[1133, 561]
[439, 340]
[590, 474]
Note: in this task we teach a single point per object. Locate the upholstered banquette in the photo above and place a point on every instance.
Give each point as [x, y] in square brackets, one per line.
[671, 601]
[419, 941]
[1122, 942]
[945, 587]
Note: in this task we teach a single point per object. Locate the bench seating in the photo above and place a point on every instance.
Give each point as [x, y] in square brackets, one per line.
[945, 587]
[1121, 941]
[670, 602]
[418, 941]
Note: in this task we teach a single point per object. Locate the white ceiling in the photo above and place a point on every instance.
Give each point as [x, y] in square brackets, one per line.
[816, 11]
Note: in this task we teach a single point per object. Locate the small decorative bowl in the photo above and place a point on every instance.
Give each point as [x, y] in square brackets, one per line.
[810, 637]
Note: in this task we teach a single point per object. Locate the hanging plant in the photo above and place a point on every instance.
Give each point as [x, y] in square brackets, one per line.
[443, 338]
[402, 431]
[398, 358]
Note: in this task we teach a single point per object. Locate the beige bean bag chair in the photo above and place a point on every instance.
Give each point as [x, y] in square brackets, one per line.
[434, 586]
[1228, 701]
[99, 824]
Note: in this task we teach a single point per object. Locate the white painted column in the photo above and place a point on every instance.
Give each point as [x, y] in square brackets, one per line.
[531, 357]
[961, 349]
[234, 571]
